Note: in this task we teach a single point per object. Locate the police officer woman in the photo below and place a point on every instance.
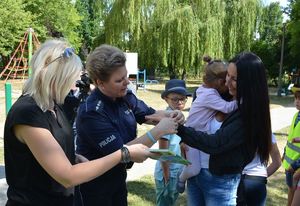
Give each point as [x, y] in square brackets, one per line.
[108, 120]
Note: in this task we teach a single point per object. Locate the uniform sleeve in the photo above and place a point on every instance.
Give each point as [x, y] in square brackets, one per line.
[139, 108]
[96, 129]
[223, 140]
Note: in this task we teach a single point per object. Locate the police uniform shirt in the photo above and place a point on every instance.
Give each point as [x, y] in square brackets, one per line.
[104, 125]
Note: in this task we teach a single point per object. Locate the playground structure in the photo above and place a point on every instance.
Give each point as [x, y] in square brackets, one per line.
[18, 65]
[136, 76]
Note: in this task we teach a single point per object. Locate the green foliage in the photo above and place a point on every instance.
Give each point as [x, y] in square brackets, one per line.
[176, 34]
[12, 26]
[169, 35]
[59, 18]
[294, 28]
[268, 45]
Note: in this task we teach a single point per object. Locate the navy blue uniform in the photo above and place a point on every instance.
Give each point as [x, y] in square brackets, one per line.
[103, 126]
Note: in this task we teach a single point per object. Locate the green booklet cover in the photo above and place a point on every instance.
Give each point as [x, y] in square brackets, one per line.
[168, 155]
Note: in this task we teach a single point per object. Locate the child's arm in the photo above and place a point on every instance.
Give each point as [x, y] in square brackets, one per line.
[164, 144]
[214, 101]
[276, 160]
[296, 140]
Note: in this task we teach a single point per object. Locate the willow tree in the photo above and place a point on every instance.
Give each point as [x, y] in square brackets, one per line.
[210, 14]
[163, 28]
[240, 25]
[124, 23]
[175, 34]
[179, 40]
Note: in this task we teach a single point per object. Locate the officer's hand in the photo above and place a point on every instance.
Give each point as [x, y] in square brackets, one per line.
[178, 116]
[138, 152]
[167, 126]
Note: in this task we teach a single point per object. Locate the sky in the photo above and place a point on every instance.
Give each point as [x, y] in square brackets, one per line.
[283, 3]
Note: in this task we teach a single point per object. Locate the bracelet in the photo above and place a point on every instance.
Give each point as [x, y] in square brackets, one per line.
[150, 136]
[125, 155]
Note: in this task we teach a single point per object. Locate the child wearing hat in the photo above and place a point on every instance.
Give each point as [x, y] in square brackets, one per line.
[291, 156]
[165, 173]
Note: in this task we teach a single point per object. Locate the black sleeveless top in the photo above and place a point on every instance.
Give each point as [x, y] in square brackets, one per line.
[29, 183]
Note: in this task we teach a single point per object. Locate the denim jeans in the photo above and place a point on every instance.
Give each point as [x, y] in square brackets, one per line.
[253, 190]
[166, 195]
[212, 190]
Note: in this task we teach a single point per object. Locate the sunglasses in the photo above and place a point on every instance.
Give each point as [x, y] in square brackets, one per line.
[67, 53]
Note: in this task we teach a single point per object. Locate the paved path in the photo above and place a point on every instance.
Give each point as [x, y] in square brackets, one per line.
[280, 116]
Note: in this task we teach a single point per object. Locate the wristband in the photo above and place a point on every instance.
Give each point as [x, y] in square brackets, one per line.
[150, 136]
[125, 155]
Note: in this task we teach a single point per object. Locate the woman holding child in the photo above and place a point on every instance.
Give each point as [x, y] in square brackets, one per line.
[244, 133]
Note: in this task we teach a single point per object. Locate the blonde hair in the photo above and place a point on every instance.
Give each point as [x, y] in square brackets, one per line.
[214, 70]
[52, 74]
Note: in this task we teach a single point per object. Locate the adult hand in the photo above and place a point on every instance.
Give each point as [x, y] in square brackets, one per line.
[138, 152]
[159, 115]
[167, 126]
[178, 115]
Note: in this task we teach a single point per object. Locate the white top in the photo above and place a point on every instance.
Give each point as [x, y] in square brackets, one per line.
[213, 127]
[255, 167]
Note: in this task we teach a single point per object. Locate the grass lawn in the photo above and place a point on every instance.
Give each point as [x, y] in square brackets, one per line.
[142, 191]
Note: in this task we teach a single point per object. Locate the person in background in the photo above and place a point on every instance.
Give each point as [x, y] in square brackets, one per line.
[40, 161]
[202, 118]
[165, 173]
[108, 120]
[292, 152]
[244, 133]
[252, 190]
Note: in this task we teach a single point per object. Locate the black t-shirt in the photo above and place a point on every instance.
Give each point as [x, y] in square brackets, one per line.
[28, 182]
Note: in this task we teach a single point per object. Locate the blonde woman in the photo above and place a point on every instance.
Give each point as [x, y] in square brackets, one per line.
[39, 145]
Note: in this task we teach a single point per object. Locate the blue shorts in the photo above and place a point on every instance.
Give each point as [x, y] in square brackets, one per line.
[289, 178]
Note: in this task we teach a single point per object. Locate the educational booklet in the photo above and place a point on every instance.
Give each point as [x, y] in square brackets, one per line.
[168, 155]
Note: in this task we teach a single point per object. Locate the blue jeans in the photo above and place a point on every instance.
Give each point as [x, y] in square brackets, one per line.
[166, 195]
[212, 190]
[253, 190]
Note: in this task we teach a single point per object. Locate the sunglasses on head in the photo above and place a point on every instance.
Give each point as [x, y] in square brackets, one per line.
[67, 53]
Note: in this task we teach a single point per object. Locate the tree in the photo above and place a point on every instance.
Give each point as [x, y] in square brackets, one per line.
[55, 18]
[13, 26]
[240, 25]
[173, 35]
[294, 29]
[268, 45]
